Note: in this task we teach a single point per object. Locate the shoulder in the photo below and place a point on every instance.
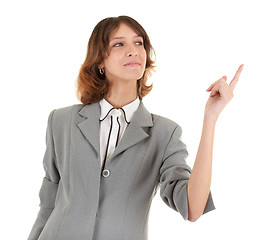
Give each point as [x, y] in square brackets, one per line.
[165, 128]
[66, 111]
[164, 131]
[164, 122]
[61, 117]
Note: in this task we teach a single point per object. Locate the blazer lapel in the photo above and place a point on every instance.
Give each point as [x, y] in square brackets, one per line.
[90, 127]
[133, 134]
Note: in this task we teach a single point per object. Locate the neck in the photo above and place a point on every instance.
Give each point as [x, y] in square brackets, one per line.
[121, 94]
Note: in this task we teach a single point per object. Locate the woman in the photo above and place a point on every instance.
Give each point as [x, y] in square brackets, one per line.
[106, 158]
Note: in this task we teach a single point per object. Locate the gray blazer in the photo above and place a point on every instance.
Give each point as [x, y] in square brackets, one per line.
[79, 202]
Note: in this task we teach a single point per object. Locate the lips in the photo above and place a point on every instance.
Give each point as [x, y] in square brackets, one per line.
[134, 63]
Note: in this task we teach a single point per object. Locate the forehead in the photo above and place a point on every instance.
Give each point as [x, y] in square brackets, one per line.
[123, 31]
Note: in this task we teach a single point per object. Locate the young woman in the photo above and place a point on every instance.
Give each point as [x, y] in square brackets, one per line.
[106, 158]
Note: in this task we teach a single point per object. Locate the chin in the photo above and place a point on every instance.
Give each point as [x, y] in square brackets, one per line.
[134, 78]
[133, 75]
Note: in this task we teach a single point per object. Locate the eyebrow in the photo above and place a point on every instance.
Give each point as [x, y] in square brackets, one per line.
[124, 37]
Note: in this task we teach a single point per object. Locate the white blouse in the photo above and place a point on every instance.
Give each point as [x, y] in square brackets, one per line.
[113, 123]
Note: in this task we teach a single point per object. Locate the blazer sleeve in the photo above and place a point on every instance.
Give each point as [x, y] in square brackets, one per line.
[174, 176]
[48, 190]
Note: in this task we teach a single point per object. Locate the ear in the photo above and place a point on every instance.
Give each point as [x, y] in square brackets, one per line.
[101, 65]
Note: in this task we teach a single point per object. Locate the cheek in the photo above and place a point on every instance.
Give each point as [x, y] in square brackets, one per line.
[113, 64]
[143, 56]
[143, 53]
[110, 61]
[115, 59]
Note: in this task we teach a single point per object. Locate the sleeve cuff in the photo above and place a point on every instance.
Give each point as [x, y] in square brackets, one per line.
[182, 202]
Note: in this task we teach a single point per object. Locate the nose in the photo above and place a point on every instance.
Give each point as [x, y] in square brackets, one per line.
[132, 51]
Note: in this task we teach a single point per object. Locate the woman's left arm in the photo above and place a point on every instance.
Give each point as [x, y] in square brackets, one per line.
[200, 179]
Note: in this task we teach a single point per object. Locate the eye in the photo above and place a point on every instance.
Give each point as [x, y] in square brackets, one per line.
[117, 44]
[139, 43]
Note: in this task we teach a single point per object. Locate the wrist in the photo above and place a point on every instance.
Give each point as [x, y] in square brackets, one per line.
[209, 119]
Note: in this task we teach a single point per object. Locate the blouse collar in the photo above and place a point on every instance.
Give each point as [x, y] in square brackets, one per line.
[128, 109]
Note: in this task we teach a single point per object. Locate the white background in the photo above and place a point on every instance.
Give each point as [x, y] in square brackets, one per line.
[44, 43]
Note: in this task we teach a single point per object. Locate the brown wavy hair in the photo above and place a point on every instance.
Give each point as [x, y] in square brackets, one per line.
[91, 86]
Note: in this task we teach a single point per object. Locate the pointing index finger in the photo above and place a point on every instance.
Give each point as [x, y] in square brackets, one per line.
[234, 81]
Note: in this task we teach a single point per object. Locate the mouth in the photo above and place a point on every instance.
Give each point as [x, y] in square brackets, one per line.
[132, 64]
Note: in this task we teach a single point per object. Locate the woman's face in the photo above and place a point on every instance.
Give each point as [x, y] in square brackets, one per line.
[126, 59]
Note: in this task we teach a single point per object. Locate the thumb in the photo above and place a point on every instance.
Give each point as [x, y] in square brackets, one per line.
[213, 84]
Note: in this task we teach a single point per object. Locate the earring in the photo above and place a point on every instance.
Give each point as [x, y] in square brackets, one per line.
[101, 71]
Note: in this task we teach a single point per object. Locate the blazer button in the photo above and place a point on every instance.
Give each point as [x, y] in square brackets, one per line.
[105, 173]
